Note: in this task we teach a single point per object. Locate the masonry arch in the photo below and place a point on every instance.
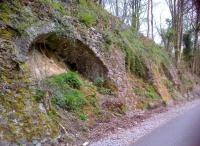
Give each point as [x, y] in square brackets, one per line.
[51, 54]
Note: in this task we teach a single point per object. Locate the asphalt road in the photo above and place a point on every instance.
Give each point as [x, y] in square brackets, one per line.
[181, 131]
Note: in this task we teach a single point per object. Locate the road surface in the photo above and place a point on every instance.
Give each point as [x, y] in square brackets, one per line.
[181, 131]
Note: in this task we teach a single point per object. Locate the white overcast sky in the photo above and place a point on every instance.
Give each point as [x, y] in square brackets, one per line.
[161, 13]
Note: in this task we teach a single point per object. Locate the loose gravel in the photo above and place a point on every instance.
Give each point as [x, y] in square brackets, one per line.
[125, 137]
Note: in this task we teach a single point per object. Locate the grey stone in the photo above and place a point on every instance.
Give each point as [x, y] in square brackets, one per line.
[35, 142]
[38, 144]
[4, 143]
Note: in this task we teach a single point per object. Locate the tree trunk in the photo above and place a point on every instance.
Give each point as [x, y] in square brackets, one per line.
[117, 8]
[100, 2]
[152, 35]
[195, 49]
[124, 15]
[148, 13]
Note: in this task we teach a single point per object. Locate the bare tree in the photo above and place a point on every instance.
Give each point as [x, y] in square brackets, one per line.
[152, 26]
[166, 35]
[135, 22]
[196, 50]
[148, 18]
[117, 7]
[177, 8]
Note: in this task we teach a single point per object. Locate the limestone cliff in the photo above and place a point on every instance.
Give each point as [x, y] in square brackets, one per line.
[60, 66]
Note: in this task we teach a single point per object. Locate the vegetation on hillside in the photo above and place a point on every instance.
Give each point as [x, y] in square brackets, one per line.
[69, 102]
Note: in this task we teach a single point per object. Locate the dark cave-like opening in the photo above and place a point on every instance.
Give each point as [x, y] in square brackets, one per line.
[72, 66]
[62, 54]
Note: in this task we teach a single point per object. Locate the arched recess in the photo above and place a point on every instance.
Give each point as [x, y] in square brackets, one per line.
[51, 54]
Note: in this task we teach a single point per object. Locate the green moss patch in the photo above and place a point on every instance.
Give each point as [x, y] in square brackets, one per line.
[20, 115]
[148, 92]
[66, 91]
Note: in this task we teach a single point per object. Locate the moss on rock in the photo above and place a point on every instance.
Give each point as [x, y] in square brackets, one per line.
[20, 117]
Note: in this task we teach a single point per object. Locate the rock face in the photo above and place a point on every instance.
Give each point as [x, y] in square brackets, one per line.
[43, 43]
[80, 48]
[20, 117]
[172, 74]
[44, 65]
[157, 79]
[74, 54]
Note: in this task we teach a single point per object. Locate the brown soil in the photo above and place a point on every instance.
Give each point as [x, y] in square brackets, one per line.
[103, 129]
